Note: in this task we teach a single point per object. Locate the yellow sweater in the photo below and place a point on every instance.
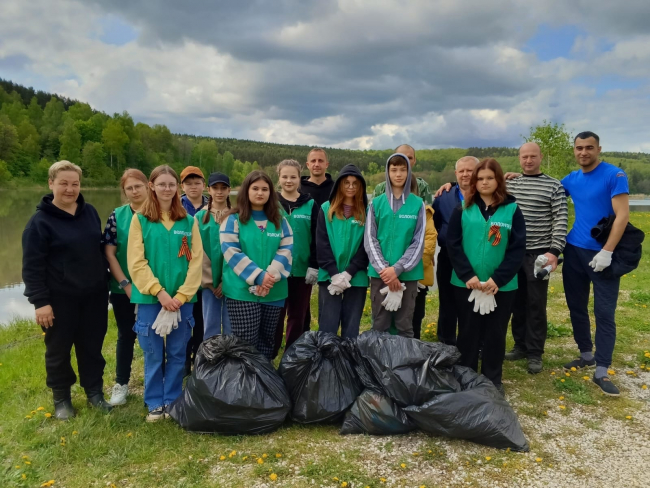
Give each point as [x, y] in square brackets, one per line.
[430, 238]
[141, 274]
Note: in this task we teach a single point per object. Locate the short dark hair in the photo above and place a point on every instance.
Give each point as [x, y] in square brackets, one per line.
[398, 160]
[586, 135]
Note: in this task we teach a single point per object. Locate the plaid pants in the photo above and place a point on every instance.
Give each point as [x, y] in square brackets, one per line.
[255, 323]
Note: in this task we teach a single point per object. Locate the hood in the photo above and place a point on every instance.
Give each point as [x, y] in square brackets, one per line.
[407, 183]
[304, 181]
[288, 205]
[46, 205]
[350, 170]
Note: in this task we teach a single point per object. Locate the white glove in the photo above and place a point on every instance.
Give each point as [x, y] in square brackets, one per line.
[165, 322]
[601, 260]
[488, 303]
[312, 276]
[254, 290]
[540, 262]
[421, 286]
[335, 289]
[177, 319]
[393, 300]
[340, 283]
[473, 298]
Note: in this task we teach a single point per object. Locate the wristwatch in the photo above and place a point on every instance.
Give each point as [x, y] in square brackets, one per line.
[124, 283]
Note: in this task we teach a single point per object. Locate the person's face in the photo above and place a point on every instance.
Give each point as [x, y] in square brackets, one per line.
[259, 193]
[135, 190]
[65, 187]
[409, 153]
[317, 163]
[464, 172]
[350, 186]
[289, 179]
[586, 151]
[193, 186]
[397, 175]
[530, 159]
[219, 192]
[486, 183]
[165, 187]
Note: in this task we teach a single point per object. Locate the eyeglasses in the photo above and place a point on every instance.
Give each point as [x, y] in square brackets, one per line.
[162, 186]
[354, 184]
[134, 188]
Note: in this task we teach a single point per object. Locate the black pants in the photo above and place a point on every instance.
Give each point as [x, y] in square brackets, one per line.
[447, 314]
[529, 325]
[418, 312]
[80, 321]
[124, 312]
[490, 329]
[197, 332]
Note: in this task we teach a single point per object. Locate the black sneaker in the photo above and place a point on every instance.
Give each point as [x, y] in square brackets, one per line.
[515, 355]
[580, 364]
[606, 385]
[535, 365]
[98, 402]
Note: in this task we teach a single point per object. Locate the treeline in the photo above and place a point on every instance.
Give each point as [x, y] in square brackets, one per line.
[38, 128]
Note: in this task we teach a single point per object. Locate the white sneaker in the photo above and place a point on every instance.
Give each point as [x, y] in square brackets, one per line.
[118, 396]
[156, 415]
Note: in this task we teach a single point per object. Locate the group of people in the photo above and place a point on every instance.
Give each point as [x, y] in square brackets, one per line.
[181, 268]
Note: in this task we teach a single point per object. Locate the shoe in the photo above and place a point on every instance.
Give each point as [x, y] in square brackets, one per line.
[118, 396]
[535, 365]
[501, 390]
[63, 409]
[515, 355]
[166, 410]
[156, 415]
[580, 364]
[606, 385]
[97, 400]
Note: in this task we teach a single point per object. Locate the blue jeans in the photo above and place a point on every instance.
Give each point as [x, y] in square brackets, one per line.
[345, 310]
[577, 276]
[164, 362]
[215, 315]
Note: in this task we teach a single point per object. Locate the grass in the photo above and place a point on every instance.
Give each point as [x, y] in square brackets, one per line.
[121, 450]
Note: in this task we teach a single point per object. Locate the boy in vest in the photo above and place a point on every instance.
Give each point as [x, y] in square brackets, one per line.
[394, 241]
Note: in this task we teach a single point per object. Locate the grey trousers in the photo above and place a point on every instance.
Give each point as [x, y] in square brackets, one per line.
[382, 318]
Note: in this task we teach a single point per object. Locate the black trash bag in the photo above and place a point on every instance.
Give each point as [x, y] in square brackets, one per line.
[478, 413]
[375, 413]
[320, 377]
[233, 390]
[409, 371]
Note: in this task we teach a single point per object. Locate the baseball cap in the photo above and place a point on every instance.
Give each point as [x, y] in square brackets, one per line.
[218, 178]
[191, 171]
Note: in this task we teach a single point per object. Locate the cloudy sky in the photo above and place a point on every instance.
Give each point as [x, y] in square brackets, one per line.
[347, 73]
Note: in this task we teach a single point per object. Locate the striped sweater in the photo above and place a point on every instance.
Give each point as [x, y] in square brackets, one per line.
[543, 202]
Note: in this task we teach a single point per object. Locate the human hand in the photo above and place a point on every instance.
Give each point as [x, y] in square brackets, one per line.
[45, 316]
[552, 260]
[445, 187]
[268, 281]
[511, 175]
[168, 303]
[474, 284]
[218, 291]
[388, 275]
[127, 289]
[490, 287]
[601, 260]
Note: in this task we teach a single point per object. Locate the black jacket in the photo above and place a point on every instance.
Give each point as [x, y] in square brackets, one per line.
[443, 207]
[62, 253]
[627, 254]
[290, 206]
[515, 252]
[326, 259]
[320, 193]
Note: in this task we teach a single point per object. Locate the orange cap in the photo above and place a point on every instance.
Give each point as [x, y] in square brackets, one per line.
[191, 171]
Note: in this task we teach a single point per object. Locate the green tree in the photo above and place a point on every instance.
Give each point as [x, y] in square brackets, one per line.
[556, 144]
[227, 163]
[80, 111]
[35, 113]
[9, 144]
[5, 174]
[53, 115]
[15, 111]
[39, 169]
[93, 163]
[115, 140]
[70, 143]
[205, 155]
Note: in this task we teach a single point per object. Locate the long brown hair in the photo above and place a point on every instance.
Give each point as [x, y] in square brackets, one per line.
[358, 208]
[151, 207]
[132, 173]
[500, 193]
[244, 208]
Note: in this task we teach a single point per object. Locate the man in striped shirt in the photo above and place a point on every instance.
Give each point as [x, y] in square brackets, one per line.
[542, 200]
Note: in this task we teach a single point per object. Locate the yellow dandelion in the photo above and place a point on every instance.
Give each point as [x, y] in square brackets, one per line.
[505, 464]
[335, 478]
[562, 407]
[17, 467]
[265, 455]
[278, 455]
[545, 412]
[383, 480]
[430, 451]
[260, 461]
[23, 476]
[611, 371]
[644, 387]
[40, 409]
[28, 416]
[28, 462]
[416, 453]
[74, 432]
[221, 458]
[562, 380]
[48, 415]
[488, 458]
[561, 398]
[129, 434]
[629, 417]
[244, 458]
[25, 457]
[538, 460]
[629, 372]
[573, 368]
[423, 486]
[273, 476]
[567, 374]
[585, 378]
[552, 373]
[402, 465]
[344, 484]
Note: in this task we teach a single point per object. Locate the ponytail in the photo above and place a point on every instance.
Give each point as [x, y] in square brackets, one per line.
[207, 216]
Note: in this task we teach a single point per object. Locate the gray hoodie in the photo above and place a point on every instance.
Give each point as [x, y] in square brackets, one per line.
[413, 254]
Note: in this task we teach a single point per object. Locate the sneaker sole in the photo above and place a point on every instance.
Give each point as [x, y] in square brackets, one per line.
[590, 366]
[152, 420]
[615, 395]
[123, 402]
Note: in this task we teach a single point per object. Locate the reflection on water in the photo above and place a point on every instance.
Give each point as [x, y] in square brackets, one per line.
[16, 207]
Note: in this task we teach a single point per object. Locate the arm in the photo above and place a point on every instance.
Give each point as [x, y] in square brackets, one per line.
[239, 262]
[194, 269]
[371, 243]
[560, 221]
[313, 260]
[280, 267]
[358, 262]
[326, 259]
[35, 257]
[413, 254]
[515, 252]
[621, 206]
[459, 259]
[141, 275]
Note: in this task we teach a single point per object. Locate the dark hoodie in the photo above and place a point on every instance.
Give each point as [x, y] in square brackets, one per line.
[290, 206]
[515, 251]
[326, 259]
[320, 193]
[62, 253]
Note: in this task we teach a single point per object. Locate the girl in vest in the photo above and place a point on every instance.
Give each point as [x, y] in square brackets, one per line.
[342, 259]
[116, 237]
[164, 259]
[486, 239]
[256, 241]
[301, 211]
[215, 313]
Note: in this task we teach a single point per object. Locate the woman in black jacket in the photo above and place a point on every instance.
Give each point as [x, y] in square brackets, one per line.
[65, 275]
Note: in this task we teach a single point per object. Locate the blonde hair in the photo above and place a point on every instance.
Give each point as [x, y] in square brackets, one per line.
[59, 166]
[292, 163]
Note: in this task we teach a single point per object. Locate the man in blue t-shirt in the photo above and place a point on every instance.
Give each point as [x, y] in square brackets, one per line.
[598, 189]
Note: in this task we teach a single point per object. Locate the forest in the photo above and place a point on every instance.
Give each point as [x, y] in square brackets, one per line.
[39, 128]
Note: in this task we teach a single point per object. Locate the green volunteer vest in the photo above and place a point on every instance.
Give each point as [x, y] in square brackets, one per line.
[123, 216]
[161, 248]
[211, 245]
[300, 223]
[484, 257]
[395, 232]
[260, 247]
[345, 235]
